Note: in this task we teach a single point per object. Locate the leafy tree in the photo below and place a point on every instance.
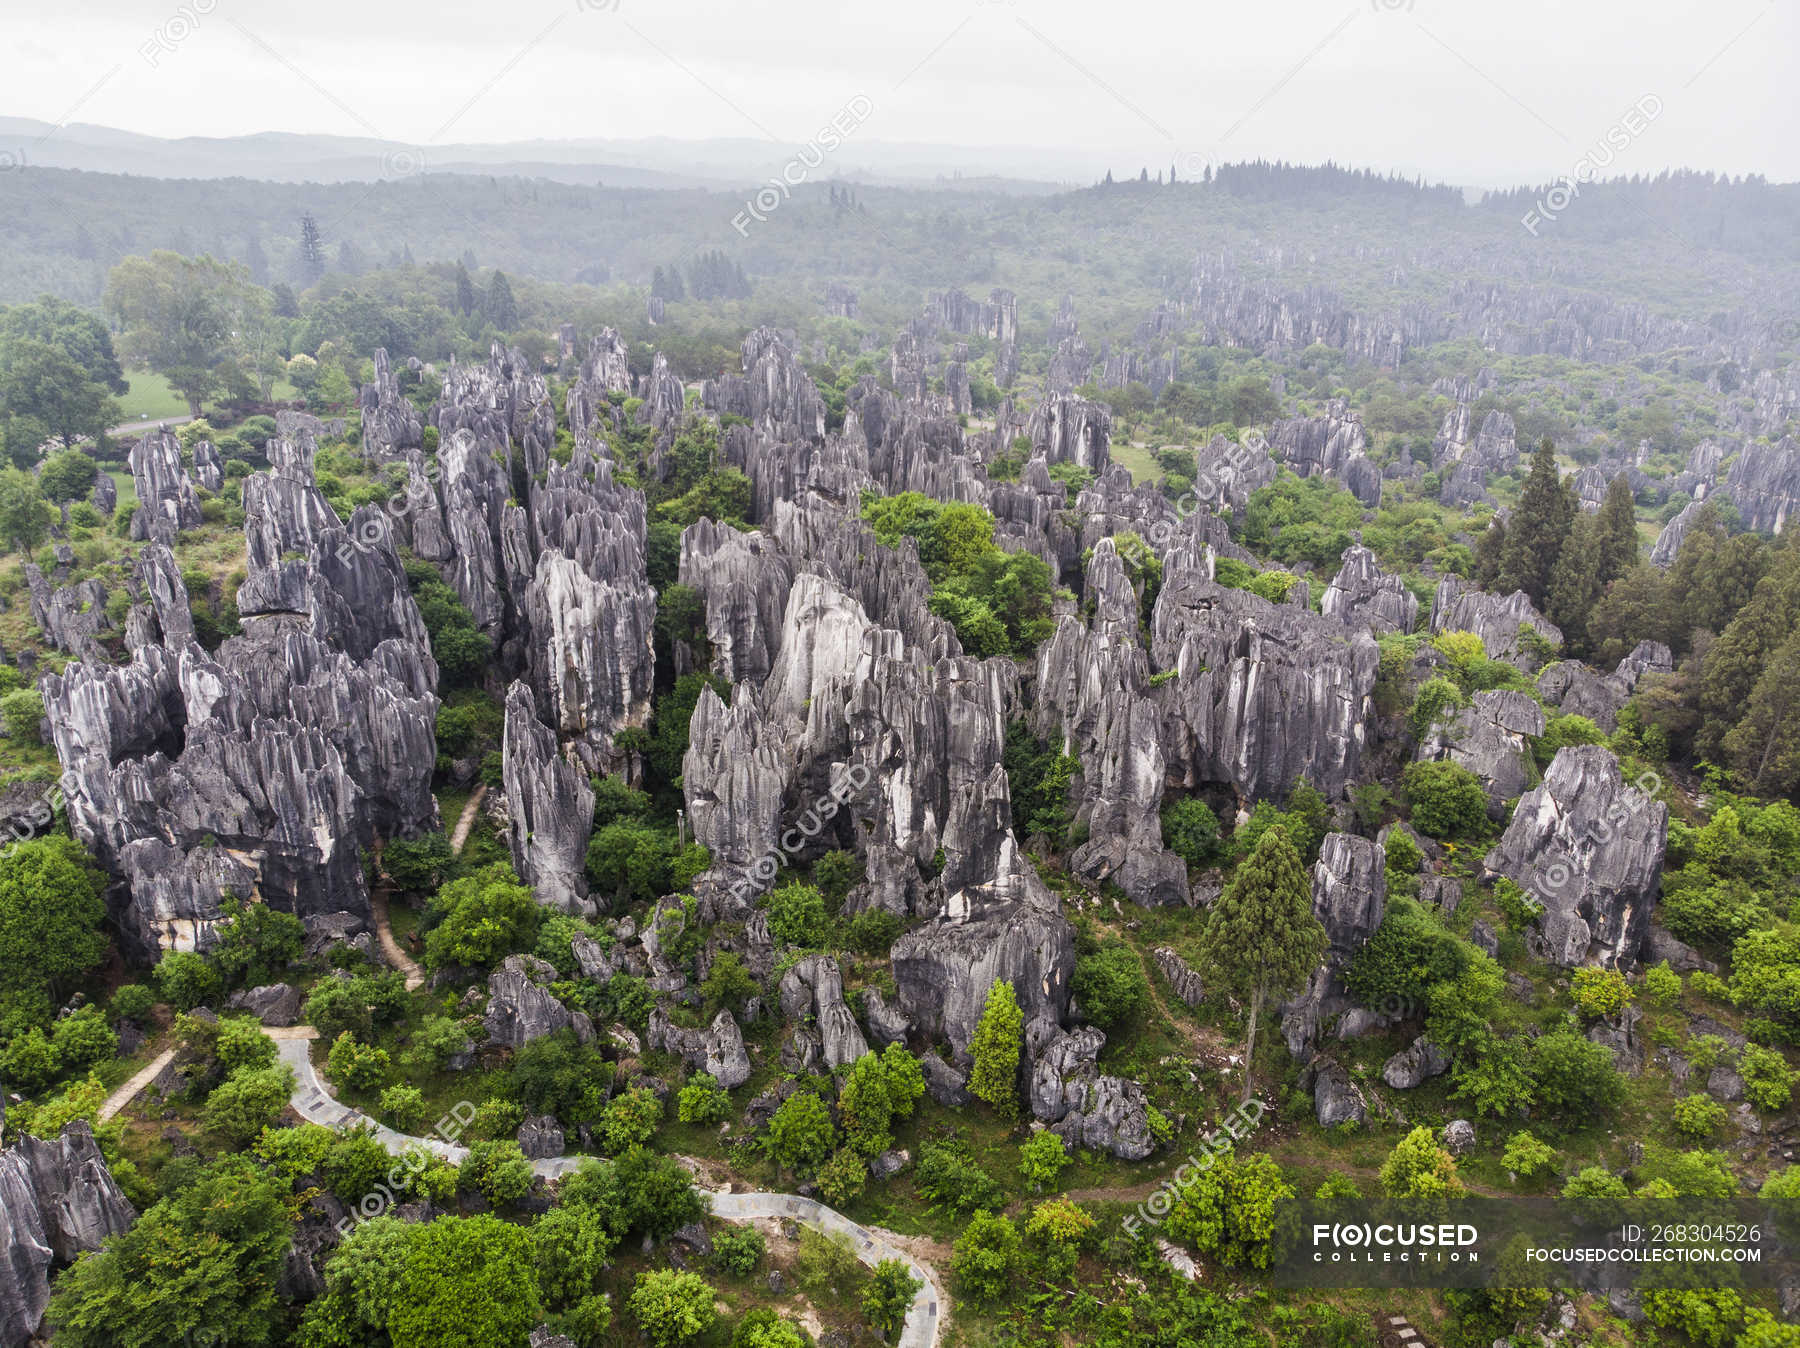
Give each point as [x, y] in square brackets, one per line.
[68, 475]
[255, 943]
[51, 915]
[421, 865]
[1261, 937]
[1599, 992]
[986, 1257]
[1534, 540]
[1446, 800]
[843, 1178]
[797, 915]
[836, 874]
[247, 1101]
[998, 1043]
[199, 1266]
[240, 1042]
[1229, 1211]
[483, 918]
[187, 980]
[44, 392]
[1662, 985]
[946, 1177]
[1057, 1230]
[1110, 985]
[630, 1120]
[738, 1251]
[24, 517]
[30, 1059]
[801, 1135]
[179, 315]
[1419, 1168]
[405, 1106]
[888, 1296]
[1190, 829]
[873, 931]
[763, 1328]
[359, 1066]
[880, 1088]
[671, 1307]
[1594, 1182]
[702, 1100]
[1526, 1156]
[78, 333]
[1698, 1115]
[497, 1170]
[1575, 1077]
[1041, 1160]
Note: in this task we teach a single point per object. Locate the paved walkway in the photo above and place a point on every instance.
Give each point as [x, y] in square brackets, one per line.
[139, 427]
[142, 1078]
[871, 1245]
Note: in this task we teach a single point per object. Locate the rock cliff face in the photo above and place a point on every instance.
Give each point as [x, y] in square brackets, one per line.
[57, 1200]
[1764, 484]
[1490, 738]
[1266, 693]
[1067, 428]
[1363, 595]
[1589, 847]
[549, 806]
[1349, 891]
[1503, 624]
[1331, 445]
[390, 424]
[262, 770]
[167, 501]
[745, 582]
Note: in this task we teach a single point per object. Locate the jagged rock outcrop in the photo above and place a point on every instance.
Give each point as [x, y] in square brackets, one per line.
[1182, 977]
[71, 617]
[886, 1023]
[814, 989]
[746, 582]
[105, 496]
[1331, 445]
[1414, 1065]
[1349, 897]
[1668, 542]
[1490, 738]
[1501, 623]
[167, 501]
[943, 970]
[718, 1050]
[549, 808]
[390, 424]
[209, 466]
[1764, 484]
[1084, 1108]
[520, 1006]
[734, 774]
[1267, 694]
[274, 1004]
[1575, 690]
[1067, 428]
[1336, 1098]
[1363, 595]
[1589, 847]
[57, 1200]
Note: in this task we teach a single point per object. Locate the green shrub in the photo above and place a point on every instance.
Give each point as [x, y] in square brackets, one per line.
[1445, 799]
[873, 931]
[1599, 992]
[1698, 1115]
[1662, 986]
[1190, 829]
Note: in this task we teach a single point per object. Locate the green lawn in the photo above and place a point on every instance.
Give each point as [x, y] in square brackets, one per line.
[1138, 459]
[151, 396]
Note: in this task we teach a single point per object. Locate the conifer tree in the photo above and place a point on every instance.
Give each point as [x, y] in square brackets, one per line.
[1618, 536]
[1488, 551]
[502, 309]
[465, 291]
[1261, 937]
[998, 1042]
[1540, 524]
[1577, 584]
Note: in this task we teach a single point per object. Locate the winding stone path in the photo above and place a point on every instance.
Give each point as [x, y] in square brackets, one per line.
[390, 946]
[871, 1245]
[139, 1079]
[460, 834]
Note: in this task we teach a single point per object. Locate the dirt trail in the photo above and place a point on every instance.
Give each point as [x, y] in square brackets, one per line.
[467, 822]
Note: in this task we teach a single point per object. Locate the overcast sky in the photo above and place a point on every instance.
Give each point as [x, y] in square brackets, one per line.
[1471, 91]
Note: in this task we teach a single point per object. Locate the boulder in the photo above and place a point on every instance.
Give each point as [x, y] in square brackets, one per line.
[541, 1137]
[1414, 1065]
[886, 1024]
[718, 1050]
[520, 1007]
[1335, 1097]
[274, 1004]
[944, 1083]
[1458, 1137]
[1363, 595]
[815, 987]
[1114, 1118]
[1589, 847]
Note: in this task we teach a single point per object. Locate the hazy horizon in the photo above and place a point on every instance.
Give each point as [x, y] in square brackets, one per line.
[1472, 95]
